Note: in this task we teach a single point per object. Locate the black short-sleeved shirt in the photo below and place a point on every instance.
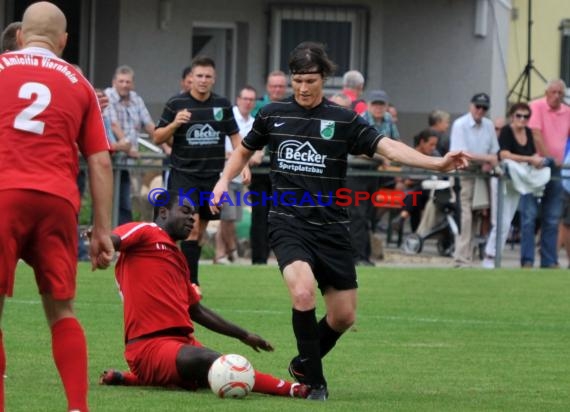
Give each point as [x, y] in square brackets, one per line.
[308, 151]
[199, 145]
[507, 141]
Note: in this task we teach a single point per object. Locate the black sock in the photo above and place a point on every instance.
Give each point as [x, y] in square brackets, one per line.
[192, 253]
[307, 333]
[327, 336]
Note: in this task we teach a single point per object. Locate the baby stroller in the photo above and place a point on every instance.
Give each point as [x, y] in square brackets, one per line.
[438, 219]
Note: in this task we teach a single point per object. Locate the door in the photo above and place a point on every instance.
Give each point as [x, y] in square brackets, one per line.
[218, 43]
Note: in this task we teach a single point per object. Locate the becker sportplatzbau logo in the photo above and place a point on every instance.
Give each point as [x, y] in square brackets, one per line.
[294, 156]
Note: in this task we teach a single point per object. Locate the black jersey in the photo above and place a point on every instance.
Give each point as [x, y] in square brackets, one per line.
[199, 146]
[308, 151]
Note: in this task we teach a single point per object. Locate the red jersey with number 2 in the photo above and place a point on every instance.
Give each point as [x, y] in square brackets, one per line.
[48, 111]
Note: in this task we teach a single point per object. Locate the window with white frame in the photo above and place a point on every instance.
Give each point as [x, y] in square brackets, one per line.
[341, 29]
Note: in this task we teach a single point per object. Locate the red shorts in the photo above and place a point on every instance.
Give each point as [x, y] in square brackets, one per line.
[41, 229]
[154, 360]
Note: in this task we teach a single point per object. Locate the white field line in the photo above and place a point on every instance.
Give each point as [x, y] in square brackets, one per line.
[410, 319]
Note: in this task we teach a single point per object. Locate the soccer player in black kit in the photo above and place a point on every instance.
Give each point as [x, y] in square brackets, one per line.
[309, 138]
[195, 123]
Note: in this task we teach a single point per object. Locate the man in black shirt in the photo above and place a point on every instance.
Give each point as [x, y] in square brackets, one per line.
[195, 123]
[309, 139]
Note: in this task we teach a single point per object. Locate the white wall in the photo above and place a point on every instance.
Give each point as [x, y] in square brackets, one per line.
[434, 60]
[158, 57]
[422, 52]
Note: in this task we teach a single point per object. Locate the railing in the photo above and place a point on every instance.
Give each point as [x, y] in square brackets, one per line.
[150, 161]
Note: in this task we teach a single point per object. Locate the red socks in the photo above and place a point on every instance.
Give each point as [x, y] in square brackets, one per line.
[70, 355]
[270, 385]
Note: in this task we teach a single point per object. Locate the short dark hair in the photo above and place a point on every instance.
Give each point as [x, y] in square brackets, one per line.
[310, 57]
[424, 136]
[247, 87]
[186, 71]
[167, 199]
[203, 61]
[9, 36]
[519, 106]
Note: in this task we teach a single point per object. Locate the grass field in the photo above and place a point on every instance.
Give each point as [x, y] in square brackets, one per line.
[427, 339]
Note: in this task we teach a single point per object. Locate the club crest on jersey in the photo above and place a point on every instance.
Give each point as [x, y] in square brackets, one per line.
[327, 129]
[218, 113]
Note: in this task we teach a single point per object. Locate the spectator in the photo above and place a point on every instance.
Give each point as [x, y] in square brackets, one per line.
[196, 124]
[564, 230]
[311, 243]
[393, 112]
[82, 252]
[276, 87]
[128, 117]
[353, 87]
[342, 100]
[550, 124]
[363, 214]
[439, 121]
[425, 143]
[39, 198]
[259, 241]
[160, 306]
[378, 116]
[474, 134]
[361, 231]
[9, 38]
[485, 228]
[499, 123]
[186, 80]
[226, 236]
[516, 145]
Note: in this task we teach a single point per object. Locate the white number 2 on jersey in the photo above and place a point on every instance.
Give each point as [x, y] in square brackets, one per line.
[24, 121]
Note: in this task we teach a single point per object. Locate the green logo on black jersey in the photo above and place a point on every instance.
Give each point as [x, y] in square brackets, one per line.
[327, 129]
[218, 113]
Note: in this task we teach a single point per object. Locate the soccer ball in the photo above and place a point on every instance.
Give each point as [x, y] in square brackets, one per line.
[231, 376]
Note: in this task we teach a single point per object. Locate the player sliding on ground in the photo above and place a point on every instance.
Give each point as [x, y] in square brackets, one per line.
[160, 304]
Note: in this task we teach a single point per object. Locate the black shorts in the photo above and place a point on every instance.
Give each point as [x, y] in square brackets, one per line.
[327, 249]
[198, 190]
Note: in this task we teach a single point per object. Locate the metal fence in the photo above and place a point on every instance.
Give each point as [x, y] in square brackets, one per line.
[151, 161]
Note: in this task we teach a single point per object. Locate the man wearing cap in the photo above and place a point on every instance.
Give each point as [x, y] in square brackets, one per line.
[378, 116]
[474, 134]
[362, 213]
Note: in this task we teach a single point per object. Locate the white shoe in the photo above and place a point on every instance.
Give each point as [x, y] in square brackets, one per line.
[222, 261]
[488, 263]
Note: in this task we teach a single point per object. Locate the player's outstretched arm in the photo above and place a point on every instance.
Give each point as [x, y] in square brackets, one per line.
[399, 152]
[211, 320]
[101, 185]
